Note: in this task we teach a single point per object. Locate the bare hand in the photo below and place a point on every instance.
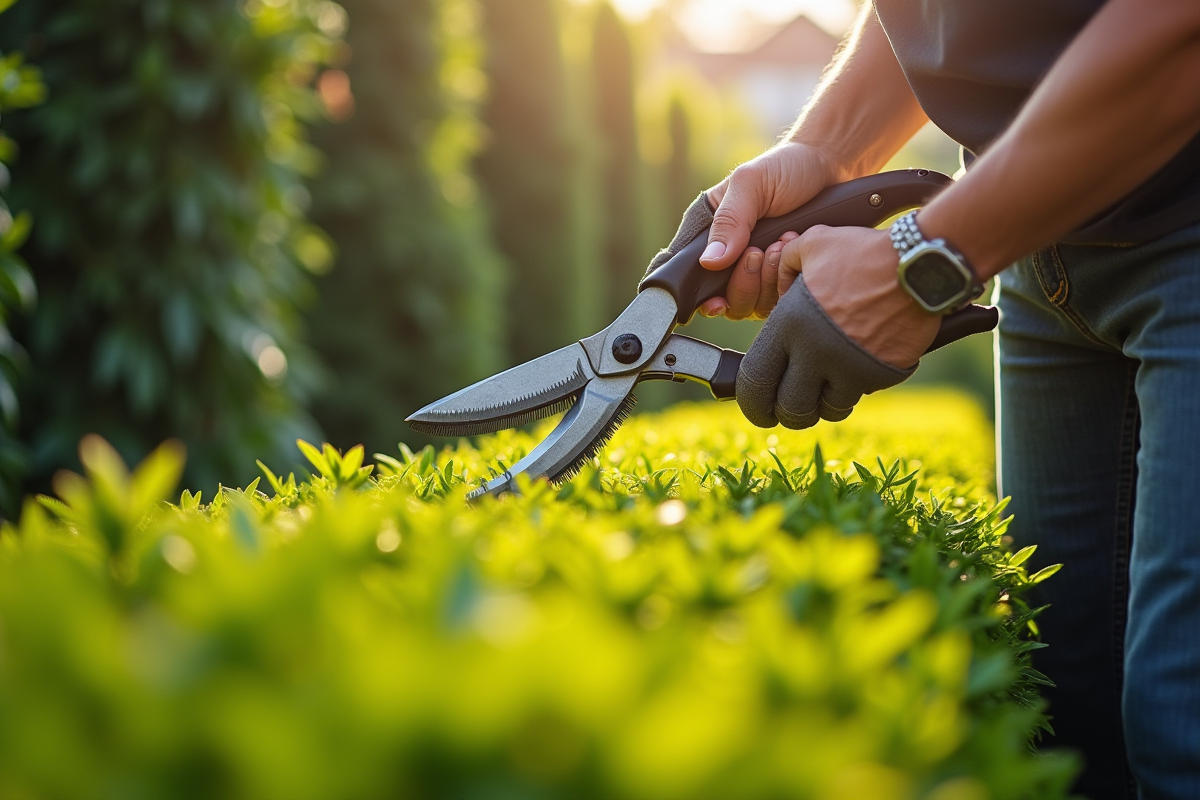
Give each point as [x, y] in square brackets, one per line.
[776, 182]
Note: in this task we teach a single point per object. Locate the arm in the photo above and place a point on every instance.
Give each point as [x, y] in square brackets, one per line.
[1119, 103]
[1115, 107]
[861, 113]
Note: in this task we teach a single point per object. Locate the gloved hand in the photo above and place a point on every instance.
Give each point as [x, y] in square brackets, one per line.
[697, 218]
[802, 367]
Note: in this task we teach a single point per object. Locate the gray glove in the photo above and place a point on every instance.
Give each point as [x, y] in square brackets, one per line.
[697, 219]
[802, 367]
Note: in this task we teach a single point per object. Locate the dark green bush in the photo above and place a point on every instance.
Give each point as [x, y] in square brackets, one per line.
[413, 309]
[20, 87]
[171, 249]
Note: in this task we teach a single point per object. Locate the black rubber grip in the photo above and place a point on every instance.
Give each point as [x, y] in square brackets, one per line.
[863, 202]
[724, 383]
[963, 323]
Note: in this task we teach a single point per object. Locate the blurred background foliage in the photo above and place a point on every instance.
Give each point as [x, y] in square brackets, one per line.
[20, 87]
[413, 308]
[171, 251]
[259, 219]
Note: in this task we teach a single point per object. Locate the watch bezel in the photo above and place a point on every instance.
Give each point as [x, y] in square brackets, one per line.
[941, 248]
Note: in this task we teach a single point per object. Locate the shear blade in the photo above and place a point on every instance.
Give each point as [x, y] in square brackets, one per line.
[538, 388]
[601, 407]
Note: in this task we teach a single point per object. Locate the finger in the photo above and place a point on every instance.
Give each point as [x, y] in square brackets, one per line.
[768, 289]
[838, 400]
[771, 263]
[758, 380]
[713, 307]
[743, 289]
[791, 256]
[797, 401]
[739, 209]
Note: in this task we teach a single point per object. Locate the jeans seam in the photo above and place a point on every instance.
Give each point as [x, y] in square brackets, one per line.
[1061, 294]
[1122, 536]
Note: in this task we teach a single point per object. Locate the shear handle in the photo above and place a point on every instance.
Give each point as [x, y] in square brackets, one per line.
[684, 358]
[863, 202]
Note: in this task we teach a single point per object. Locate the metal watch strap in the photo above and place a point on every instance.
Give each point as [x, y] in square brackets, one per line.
[905, 233]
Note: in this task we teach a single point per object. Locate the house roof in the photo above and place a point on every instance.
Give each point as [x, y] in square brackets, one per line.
[800, 44]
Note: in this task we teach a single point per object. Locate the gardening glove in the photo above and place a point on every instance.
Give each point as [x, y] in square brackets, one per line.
[697, 219]
[802, 368]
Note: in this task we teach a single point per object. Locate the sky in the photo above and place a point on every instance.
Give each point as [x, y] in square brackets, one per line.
[726, 24]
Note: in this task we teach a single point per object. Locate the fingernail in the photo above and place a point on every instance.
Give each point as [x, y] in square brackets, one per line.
[714, 250]
[754, 263]
[773, 258]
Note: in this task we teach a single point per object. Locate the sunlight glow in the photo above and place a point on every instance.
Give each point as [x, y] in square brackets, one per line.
[723, 25]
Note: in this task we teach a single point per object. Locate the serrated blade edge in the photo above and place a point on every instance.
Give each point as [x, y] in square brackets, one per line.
[538, 388]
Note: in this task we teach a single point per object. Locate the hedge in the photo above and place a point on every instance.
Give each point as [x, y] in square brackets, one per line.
[171, 249]
[708, 610]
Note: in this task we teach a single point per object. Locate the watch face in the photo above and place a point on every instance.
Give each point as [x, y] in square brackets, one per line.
[935, 279]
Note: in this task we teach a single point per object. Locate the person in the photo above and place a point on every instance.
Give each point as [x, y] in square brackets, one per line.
[1079, 120]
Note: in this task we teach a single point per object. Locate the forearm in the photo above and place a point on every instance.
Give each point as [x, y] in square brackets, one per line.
[863, 110]
[1118, 104]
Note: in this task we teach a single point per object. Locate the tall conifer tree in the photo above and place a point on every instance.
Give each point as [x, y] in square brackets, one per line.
[527, 171]
[410, 312]
[612, 71]
[681, 182]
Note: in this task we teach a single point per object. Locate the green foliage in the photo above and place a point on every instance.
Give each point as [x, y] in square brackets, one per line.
[171, 249]
[680, 182]
[527, 170]
[624, 256]
[410, 312]
[20, 87]
[703, 612]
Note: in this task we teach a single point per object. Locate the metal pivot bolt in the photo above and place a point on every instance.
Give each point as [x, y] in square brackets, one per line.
[627, 348]
[876, 200]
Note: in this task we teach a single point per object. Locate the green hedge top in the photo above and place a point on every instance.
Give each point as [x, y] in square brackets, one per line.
[702, 613]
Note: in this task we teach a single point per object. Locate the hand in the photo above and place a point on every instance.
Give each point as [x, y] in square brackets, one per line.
[851, 273]
[842, 328]
[776, 182]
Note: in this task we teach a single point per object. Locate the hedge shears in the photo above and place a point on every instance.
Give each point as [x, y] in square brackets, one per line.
[593, 379]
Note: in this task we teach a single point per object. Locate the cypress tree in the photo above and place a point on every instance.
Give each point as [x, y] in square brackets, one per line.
[612, 73]
[527, 171]
[682, 185]
[412, 309]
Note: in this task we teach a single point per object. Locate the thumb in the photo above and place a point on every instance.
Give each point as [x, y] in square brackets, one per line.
[733, 220]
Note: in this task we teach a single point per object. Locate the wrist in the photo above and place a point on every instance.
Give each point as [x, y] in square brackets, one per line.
[835, 166]
[939, 220]
[935, 275]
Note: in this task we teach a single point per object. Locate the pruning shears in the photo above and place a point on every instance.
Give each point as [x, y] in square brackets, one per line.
[593, 379]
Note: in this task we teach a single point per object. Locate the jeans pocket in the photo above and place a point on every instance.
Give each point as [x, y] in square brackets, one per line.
[1052, 275]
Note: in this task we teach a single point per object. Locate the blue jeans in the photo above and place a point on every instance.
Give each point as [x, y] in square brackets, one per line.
[1099, 437]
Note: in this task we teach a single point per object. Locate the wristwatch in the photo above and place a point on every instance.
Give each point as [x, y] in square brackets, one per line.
[933, 273]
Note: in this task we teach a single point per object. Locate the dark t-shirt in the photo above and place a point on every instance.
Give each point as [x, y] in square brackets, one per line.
[972, 64]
